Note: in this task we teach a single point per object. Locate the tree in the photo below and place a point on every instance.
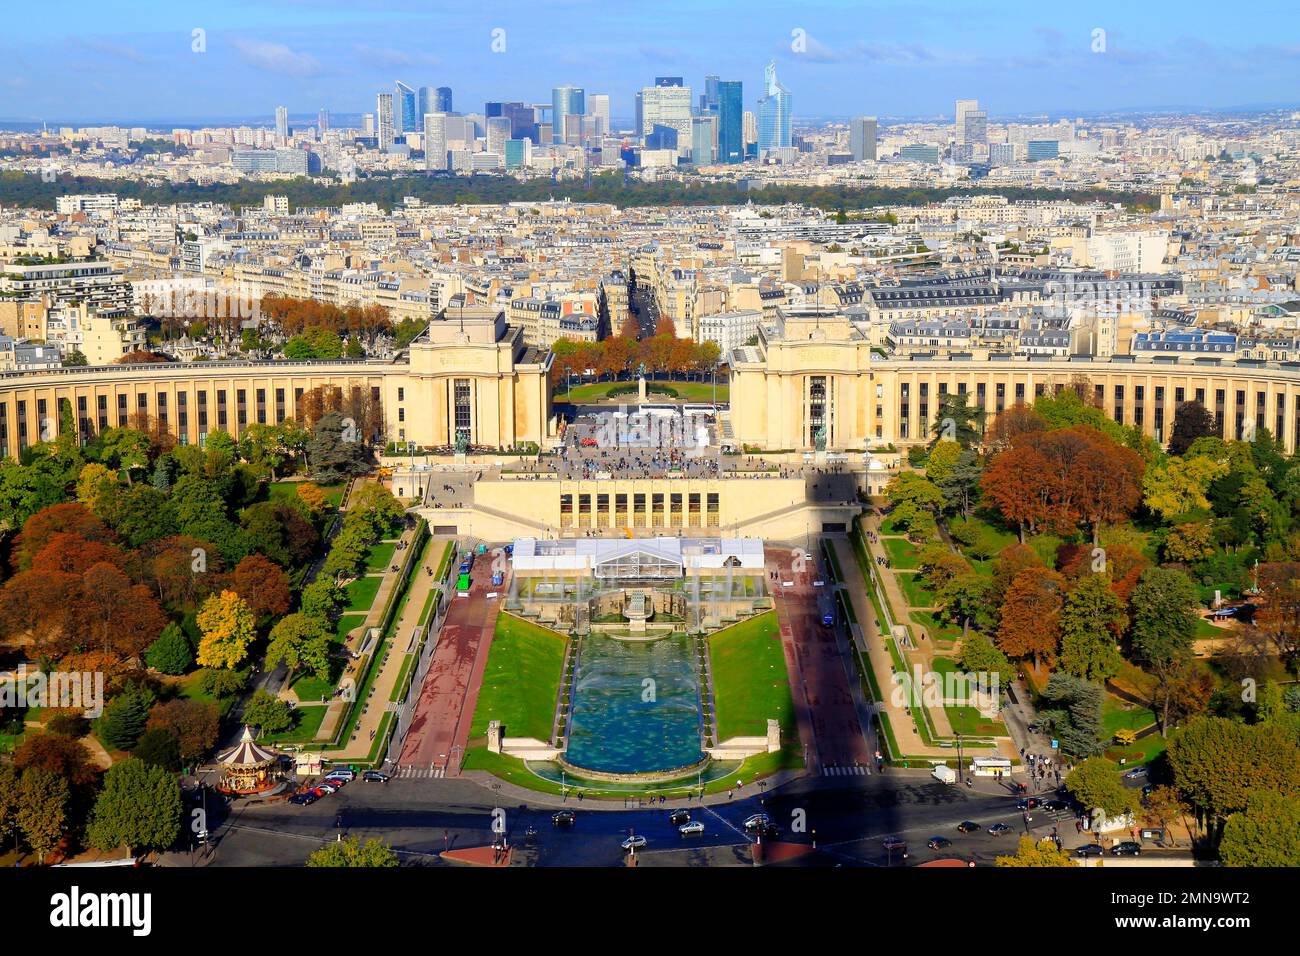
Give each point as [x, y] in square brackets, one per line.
[139, 808]
[268, 713]
[228, 628]
[159, 748]
[300, 640]
[1191, 421]
[1219, 763]
[194, 724]
[957, 420]
[1164, 625]
[1091, 619]
[171, 653]
[1266, 833]
[351, 852]
[960, 483]
[1040, 853]
[336, 452]
[1074, 713]
[1189, 543]
[42, 527]
[323, 598]
[42, 809]
[263, 585]
[979, 656]
[59, 754]
[1179, 485]
[1096, 784]
[125, 716]
[1163, 806]
[1030, 615]
[1011, 425]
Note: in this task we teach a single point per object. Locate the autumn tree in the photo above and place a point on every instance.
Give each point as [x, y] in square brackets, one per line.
[194, 724]
[1218, 763]
[228, 627]
[1036, 854]
[263, 585]
[1030, 616]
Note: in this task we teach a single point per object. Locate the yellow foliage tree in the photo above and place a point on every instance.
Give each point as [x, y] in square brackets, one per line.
[1042, 853]
[92, 482]
[228, 627]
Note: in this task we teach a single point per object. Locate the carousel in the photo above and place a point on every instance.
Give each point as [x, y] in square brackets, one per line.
[249, 768]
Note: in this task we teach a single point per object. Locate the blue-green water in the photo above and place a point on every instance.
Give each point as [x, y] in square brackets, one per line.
[636, 706]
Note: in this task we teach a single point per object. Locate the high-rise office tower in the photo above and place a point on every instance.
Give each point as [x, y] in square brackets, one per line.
[709, 98]
[731, 120]
[368, 125]
[704, 137]
[598, 106]
[442, 100]
[323, 121]
[668, 106]
[773, 112]
[424, 102]
[638, 112]
[975, 127]
[384, 119]
[493, 108]
[963, 106]
[435, 141]
[498, 131]
[750, 129]
[406, 118]
[566, 101]
[862, 137]
[282, 122]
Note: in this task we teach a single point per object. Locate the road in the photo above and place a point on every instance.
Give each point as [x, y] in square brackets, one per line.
[419, 818]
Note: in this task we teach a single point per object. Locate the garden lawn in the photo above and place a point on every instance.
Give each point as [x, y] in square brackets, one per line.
[288, 491]
[361, 592]
[522, 680]
[380, 556]
[686, 392]
[917, 594]
[750, 681]
[902, 553]
[304, 730]
[1118, 715]
[346, 623]
[969, 722]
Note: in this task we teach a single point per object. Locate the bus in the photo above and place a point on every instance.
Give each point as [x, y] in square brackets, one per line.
[462, 586]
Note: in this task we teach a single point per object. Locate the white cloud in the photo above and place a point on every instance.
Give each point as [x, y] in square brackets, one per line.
[276, 58]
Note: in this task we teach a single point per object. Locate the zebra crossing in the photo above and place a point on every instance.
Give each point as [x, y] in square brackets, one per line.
[855, 770]
[420, 773]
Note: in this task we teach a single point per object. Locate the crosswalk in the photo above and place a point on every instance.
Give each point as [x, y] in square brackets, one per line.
[431, 773]
[855, 770]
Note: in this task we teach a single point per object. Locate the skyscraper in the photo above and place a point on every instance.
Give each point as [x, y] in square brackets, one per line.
[670, 106]
[435, 141]
[729, 101]
[442, 99]
[384, 119]
[704, 136]
[709, 98]
[599, 106]
[975, 127]
[773, 112]
[565, 101]
[424, 102]
[862, 138]
[962, 107]
[323, 121]
[498, 131]
[407, 121]
[282, 122]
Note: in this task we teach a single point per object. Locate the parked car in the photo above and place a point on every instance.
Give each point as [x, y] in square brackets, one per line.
[565, 818]
[894, 843]
[1090, 849]
[678, 817]
[968, 826]
[692, 828]
[756, 820]
[1127, 848]
[341, 774]
[938, 843]
[634, 842]
[324, 789]
[375, 776]
[305, 799]
[999, 828]
[1137, 773]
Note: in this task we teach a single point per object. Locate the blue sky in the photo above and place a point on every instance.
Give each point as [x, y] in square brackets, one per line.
[86, 60]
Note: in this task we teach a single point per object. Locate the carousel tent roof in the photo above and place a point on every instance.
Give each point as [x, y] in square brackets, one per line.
[247, 753]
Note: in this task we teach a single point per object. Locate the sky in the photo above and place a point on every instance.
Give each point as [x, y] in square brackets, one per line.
[176, 60]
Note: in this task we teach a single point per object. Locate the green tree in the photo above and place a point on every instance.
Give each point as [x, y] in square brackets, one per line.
[1164, 626]
[139, 808]
[352, 852]
[171, 653]
[1090, 618]
[42, 809]
[957, 420]
[125, 716]
[268, 713]
[1096, 784]
[300, 640]
[1218, 763]
[159, 748]
[1266, 833]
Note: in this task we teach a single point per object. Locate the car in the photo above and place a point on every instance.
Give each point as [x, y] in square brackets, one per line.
[894, 843]
[692, 828]
[325, 789]
[968, 826]
[1027, 803]
[678, 817]
[938, 843]
[1090, 849]
[565, 818]
[1137, 773]
[341, 774]
[756, 820]
[634, 842]
[375, 776]
[588, 443]
[338, 783]
[1055, 806]
[999, 828]
[1127, 848]
[305, 799]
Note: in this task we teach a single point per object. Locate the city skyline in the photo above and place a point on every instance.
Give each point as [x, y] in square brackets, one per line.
[838, 59]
